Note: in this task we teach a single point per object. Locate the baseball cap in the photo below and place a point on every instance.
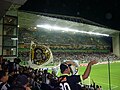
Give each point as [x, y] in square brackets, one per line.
[64, 66]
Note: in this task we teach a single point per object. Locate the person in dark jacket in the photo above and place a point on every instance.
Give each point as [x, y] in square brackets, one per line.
[70, 82]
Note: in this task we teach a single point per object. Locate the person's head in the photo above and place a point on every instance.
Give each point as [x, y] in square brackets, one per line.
[3, 76]
[22, 80]
[45, 71]
[65, 68]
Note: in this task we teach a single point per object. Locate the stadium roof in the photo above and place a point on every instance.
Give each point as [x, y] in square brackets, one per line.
[98, 12]
[95, 16]
[30, 21]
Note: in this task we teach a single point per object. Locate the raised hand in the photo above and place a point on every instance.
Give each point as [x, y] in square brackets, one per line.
[93, 62]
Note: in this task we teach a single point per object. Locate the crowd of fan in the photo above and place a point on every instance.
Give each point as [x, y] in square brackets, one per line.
[16, 77]
[40, 79]
[84, 57]
[26, 36]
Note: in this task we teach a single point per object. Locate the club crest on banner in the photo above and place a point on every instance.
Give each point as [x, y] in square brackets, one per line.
[40, 55]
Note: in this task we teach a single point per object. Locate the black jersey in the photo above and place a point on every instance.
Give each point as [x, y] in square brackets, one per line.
[70, 82]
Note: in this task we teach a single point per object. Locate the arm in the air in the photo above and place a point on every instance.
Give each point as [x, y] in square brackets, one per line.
[88, 69]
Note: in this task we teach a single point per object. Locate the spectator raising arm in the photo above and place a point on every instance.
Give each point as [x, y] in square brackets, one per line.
[88, 69]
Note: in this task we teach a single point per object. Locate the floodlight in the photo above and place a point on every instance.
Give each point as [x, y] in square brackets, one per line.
[52, 27]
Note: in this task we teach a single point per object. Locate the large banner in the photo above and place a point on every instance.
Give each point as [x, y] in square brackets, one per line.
[40, 55]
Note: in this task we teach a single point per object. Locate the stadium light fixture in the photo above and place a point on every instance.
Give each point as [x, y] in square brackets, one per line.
[50, 27]
[14, 38]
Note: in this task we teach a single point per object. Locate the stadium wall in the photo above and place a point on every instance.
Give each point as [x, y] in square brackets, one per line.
[116, 44]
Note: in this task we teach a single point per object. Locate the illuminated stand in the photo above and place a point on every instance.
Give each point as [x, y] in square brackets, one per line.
[40, 56]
